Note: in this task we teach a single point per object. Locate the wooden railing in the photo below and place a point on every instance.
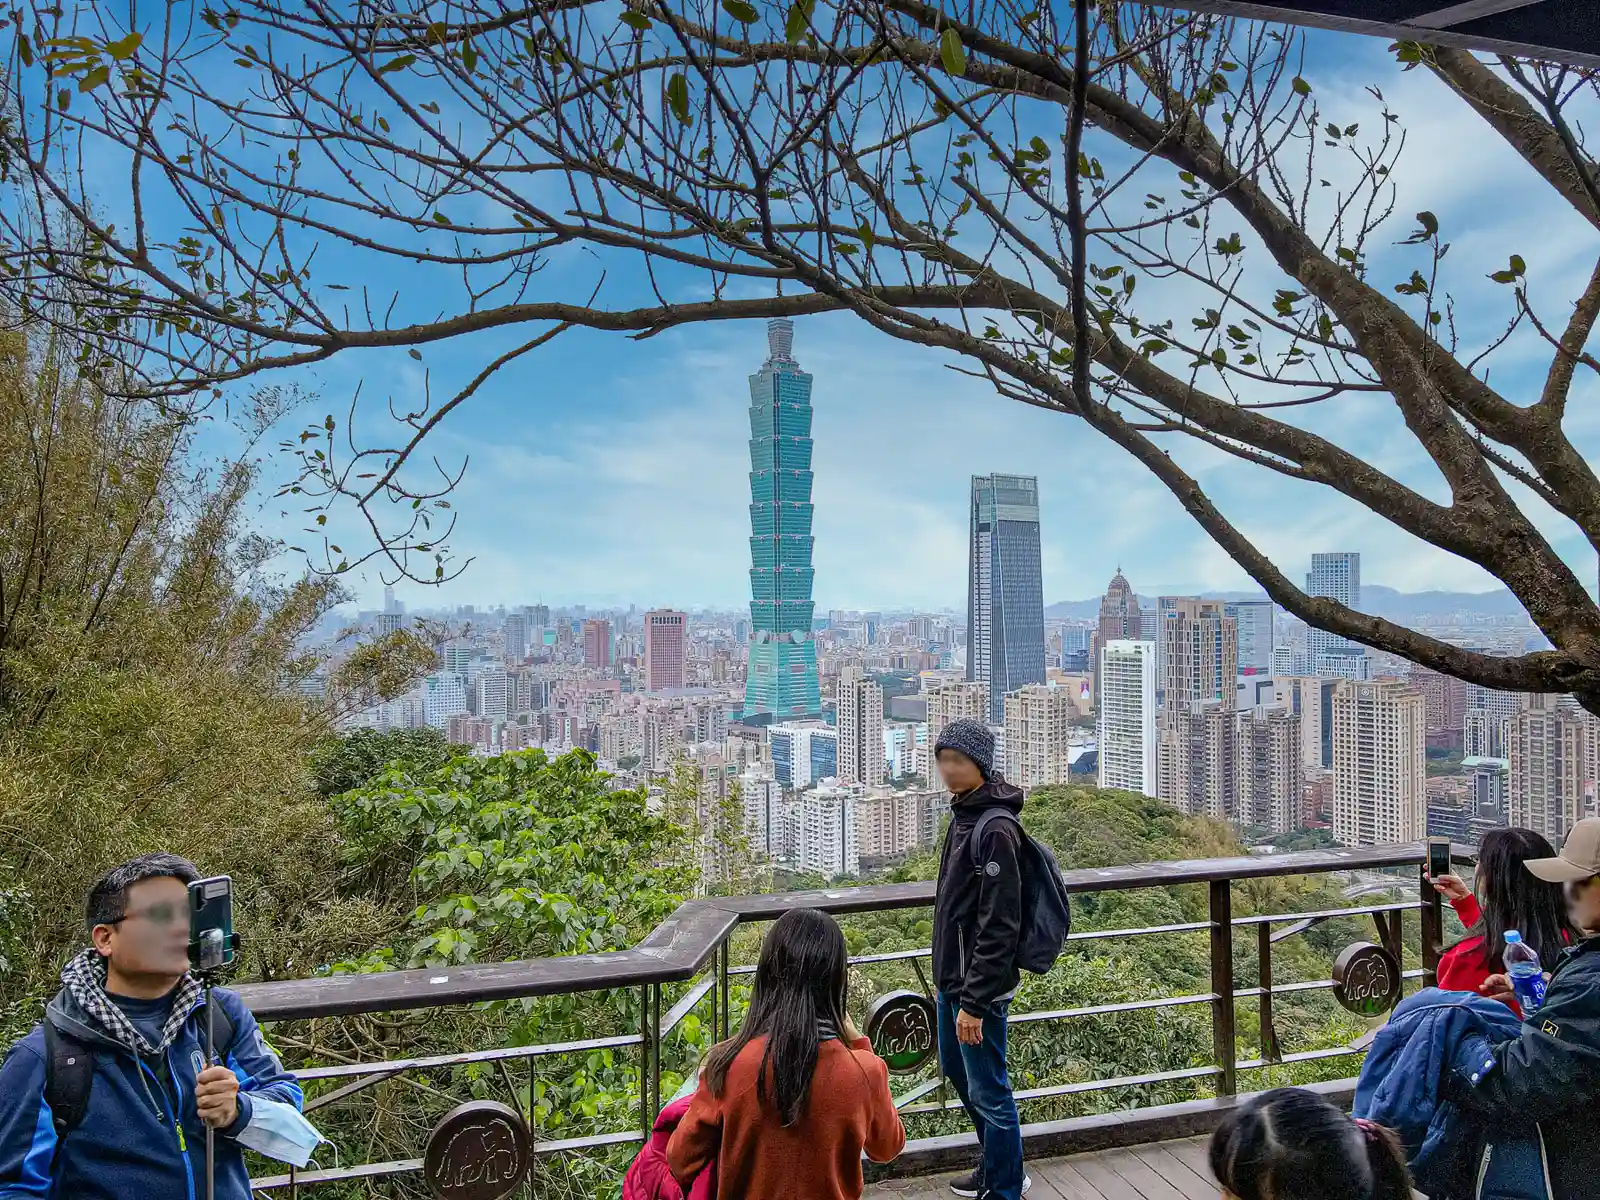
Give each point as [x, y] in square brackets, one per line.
[692, 947]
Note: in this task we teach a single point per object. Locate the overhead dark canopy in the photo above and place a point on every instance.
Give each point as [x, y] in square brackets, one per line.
[1562, 30]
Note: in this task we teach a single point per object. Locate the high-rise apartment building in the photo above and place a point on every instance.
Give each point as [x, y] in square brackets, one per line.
[1195, 759]
[827, 843]
[1446, 700]
[1038, 735]
[1253, 621]
[597, 644]
[444, 695]
[1199, 653]
[666, 649]
[1309, 699]
[1486, 725]
[1338, 576]
[1005, 588]
[1379, 763]
[889, 823]
[1127, 717]
[1270, 769]
[1548, 748]
[804, 752]
[861, 757]
[781, 677]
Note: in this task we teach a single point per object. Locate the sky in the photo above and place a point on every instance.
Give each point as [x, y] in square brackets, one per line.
[608, 471]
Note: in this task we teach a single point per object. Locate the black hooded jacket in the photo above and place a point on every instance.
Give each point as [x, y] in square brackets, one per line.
[977, 915]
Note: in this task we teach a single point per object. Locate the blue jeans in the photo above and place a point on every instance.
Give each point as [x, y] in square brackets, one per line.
[980, 1079]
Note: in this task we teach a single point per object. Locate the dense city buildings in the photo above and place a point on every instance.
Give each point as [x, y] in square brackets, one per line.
[1127, 717]
[1199, 652]
[666, 650]
[1486, 725]
[861, 741]
[1005, 588]
[597, 644]
[1197, 657]
[1446, 699]
[804, 752]
[1338, 576]
[781, 679]
[1379, 756]
[1195, 759]
[952, 701]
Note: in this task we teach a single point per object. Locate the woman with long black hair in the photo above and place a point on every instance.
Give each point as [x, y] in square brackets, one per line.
[787, 1107]
[1508, 897]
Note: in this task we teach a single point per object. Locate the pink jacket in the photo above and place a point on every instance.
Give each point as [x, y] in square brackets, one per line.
[648, 1177]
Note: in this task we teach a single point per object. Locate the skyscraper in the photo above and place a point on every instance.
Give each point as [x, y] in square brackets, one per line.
[861, 757]
[1127, 718]
[597, 644]
[515, 633]
[781, 682]
[1119, 621]
[1005, 588]
[666, 649]
[1379, 757]
[1336, 575]
[1270, 769]
[1253, 619]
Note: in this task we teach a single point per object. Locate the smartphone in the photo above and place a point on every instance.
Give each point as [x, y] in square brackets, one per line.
[1439, 857]
[211, 940]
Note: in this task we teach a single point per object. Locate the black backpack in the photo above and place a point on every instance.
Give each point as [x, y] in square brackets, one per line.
[69, 1071]
[1046, 909]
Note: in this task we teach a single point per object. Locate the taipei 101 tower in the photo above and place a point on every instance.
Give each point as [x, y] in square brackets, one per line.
[782, 680]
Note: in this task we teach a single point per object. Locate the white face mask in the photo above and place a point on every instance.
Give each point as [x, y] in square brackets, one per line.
[278, 1131]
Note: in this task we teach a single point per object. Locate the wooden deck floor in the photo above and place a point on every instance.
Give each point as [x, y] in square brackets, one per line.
[1163, 1171]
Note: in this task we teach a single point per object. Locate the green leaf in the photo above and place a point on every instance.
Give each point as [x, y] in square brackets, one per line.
[848, 248]
[24, 50]
[678, 97]
[799, 20]
[952, 53]
[1518, 265]
[397, 64]
[414, 352]
[1504, 277]
[739, 11]
[94, 78]
[469, 57]
[1301, 87]
[636, 19]
[124, 47]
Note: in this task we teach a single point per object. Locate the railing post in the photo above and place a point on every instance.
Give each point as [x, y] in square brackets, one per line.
[1270, 1049]
[1222, 1008]
[650, 1056]
[1432, 928]
[722, 991]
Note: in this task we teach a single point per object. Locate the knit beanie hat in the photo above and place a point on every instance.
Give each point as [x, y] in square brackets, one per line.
[971, 738]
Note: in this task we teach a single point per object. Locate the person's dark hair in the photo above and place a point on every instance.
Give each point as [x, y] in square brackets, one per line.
[800, 984]
[1512, 897]
[1294, 1145]
[108, 898]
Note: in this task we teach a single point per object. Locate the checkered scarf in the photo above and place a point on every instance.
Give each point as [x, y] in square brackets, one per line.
[85, 980]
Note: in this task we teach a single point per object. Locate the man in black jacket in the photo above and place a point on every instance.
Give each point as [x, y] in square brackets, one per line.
[977, 922]
[1551, 1074]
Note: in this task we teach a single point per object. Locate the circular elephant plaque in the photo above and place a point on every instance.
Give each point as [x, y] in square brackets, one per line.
[1366, 979]
[902, 1028]
[480, 1151]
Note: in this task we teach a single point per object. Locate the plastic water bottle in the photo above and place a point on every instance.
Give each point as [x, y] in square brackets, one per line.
[1527, 976]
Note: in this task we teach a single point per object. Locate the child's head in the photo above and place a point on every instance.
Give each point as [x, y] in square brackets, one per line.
[1294, 1145]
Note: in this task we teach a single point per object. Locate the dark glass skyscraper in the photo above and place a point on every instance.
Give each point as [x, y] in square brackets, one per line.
[1005, 588]
[782, 680]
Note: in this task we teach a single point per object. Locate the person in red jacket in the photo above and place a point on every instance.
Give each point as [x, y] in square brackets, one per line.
[787, 1107]
[1508, 897]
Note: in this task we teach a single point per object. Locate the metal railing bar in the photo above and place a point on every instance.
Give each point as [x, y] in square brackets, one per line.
[591, 1142]
[1253, 1064]
[918, 1092]
[1091, 1085]
[396, 1065]
[1310, 985]
[683, 1007]
[1090, 935]
[350, 1089]
[1097, 1010]
[1330, 913]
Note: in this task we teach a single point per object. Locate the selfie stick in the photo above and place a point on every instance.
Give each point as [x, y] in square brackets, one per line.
[212, 953]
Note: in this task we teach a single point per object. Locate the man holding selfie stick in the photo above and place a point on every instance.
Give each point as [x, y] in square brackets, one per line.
[109, 1098]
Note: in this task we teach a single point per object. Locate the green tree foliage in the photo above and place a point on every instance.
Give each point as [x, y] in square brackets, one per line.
[343, 762]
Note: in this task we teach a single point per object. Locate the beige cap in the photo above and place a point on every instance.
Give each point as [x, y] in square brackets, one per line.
[1580, 856]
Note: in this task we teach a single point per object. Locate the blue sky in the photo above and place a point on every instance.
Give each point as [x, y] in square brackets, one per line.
[607, 471]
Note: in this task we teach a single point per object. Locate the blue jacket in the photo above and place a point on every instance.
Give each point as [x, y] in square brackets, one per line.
[1406, 1082]
[128, 1146]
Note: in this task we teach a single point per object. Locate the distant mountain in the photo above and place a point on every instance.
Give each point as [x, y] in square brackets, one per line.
[1376, 599]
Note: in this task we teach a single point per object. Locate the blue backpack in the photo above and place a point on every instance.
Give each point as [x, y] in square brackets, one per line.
[1046, 910]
